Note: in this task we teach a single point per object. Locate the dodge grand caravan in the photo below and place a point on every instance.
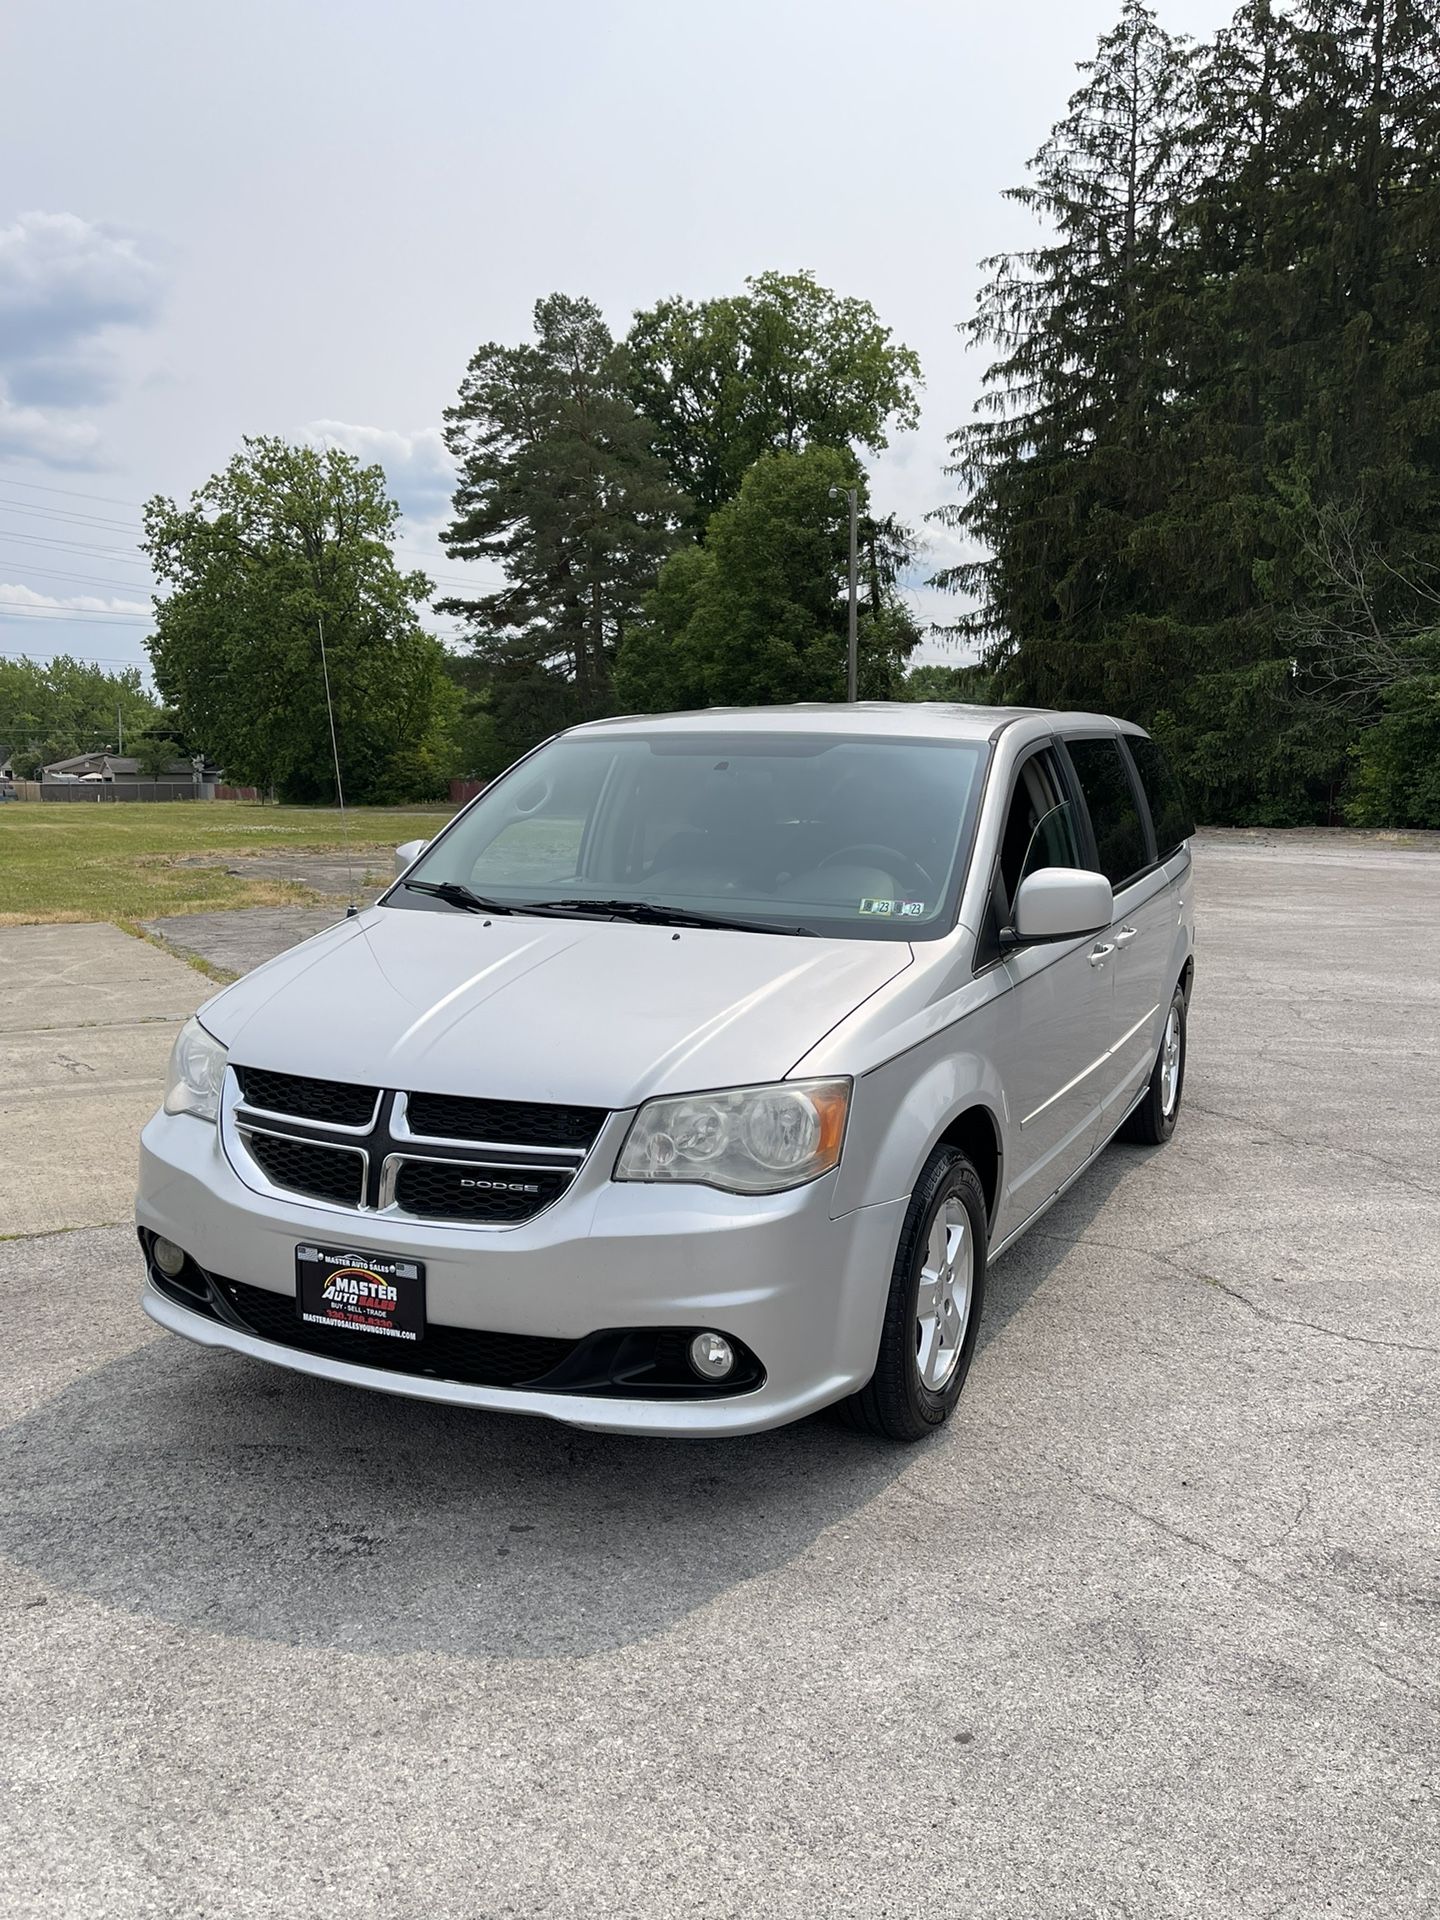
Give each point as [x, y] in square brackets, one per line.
[687, 1081]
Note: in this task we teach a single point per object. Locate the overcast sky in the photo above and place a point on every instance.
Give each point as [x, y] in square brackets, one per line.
[280, 216]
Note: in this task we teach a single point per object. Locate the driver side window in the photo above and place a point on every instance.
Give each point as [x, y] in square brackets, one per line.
[1039, 831]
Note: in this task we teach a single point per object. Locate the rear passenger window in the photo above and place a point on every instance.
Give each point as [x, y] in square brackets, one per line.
[1168, 811]
[1120, 842]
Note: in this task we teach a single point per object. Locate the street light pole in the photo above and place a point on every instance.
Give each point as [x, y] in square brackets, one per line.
[852, 667]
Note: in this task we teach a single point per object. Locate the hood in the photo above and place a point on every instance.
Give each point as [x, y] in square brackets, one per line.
[592, 1012]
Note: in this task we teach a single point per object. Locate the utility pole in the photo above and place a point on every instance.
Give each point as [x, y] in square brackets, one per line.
[119, 727]
[852, 666]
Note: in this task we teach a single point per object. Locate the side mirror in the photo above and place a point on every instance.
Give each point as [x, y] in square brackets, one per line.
[407, 855]
[1060, 903]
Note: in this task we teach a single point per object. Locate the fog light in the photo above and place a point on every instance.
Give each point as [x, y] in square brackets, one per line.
[169, 1258]
[711, 1355]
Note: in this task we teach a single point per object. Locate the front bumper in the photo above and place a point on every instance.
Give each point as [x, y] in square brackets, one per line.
[804, 1290]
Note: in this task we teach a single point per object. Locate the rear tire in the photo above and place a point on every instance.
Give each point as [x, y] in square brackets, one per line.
[1153, 1121]
[932, 1314]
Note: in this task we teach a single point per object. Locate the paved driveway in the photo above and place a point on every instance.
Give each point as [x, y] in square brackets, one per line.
[87, 1016]
[1151, 1630]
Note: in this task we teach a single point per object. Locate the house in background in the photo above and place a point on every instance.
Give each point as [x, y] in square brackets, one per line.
[115, 776]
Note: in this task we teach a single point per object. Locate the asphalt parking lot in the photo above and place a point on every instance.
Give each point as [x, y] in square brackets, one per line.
[1151, 1629]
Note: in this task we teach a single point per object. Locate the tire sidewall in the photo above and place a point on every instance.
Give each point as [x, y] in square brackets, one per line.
[1165, 1123]
[947, 1174]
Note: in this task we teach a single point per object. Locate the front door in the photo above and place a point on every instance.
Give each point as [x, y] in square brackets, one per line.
[1056, 1020]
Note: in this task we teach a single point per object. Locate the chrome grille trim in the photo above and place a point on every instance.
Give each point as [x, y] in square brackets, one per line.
[245, 1113]
[243, 1131]
[383, 1150]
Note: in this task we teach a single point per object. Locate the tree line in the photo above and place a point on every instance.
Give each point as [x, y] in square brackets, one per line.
[668, 507]
[1204, 483]
[1201, 489]
[53, 709]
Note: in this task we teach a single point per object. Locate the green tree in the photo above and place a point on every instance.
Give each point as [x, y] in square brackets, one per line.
[969, 684]
[1227, 336]
[1367, 646]
[783, 366]
[558, 482]
[55, 709]
[289, 547]
[1397, 759]
[758, 614]
[1068, 437]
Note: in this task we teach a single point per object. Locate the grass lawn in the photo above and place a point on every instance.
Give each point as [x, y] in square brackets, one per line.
[130, 861]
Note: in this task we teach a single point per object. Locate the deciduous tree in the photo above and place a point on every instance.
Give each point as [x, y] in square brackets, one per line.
[783, 366]
[758, 614]
[289, 547]
[55, 709]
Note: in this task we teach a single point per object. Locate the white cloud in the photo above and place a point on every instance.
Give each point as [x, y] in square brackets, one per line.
[14, 594]
[33, 433]
[64, 282]
[419, 471]
[63, 278]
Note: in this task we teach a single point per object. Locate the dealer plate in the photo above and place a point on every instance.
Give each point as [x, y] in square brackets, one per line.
[359, 1292]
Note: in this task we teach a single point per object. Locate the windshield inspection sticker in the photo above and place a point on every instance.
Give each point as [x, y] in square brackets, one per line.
[895, 909]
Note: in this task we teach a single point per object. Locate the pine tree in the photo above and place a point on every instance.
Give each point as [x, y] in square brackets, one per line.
[1072, 429]
[557, 480]
[1229, 340]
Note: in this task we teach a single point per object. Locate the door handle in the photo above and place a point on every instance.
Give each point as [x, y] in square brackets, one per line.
[1125, 936]
[1099, 954]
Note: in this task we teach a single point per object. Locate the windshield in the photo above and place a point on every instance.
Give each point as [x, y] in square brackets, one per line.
[859, 839]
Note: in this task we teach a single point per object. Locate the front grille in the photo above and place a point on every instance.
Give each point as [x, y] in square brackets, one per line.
[429, 1156]
[510, 1123]
[445, 1353]
[308, 1166]
[332, 1102]
[454, 1190]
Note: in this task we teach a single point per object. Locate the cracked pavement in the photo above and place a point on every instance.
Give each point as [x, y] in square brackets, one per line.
[1150, 1630]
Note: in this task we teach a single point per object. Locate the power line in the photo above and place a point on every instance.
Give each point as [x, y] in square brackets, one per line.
[443, 583]
[59, 513]
[35, 486]
[122, 554]
[80, 659]
[14, 610]
[85, 579]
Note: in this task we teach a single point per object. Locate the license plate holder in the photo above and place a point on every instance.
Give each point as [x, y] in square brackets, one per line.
[354, 1291]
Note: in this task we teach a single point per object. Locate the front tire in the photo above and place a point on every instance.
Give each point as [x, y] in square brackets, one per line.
[932, 1313]
[1153, 1121]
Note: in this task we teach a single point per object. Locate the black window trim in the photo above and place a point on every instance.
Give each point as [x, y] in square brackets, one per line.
[1142, 806]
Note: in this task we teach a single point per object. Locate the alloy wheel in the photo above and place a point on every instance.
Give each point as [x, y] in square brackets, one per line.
[947, 1279]
[1170, 1064]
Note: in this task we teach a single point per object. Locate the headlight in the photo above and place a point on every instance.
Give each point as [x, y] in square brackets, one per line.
[197, 1073]
[742, 1140]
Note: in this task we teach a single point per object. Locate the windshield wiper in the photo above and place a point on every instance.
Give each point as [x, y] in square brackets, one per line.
[646, 913]
[456, 894]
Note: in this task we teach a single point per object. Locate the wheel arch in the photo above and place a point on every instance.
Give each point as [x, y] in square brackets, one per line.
[904, 1110]
[976, 1133]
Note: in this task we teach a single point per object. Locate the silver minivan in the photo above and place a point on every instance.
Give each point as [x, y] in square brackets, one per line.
[689, 1079]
